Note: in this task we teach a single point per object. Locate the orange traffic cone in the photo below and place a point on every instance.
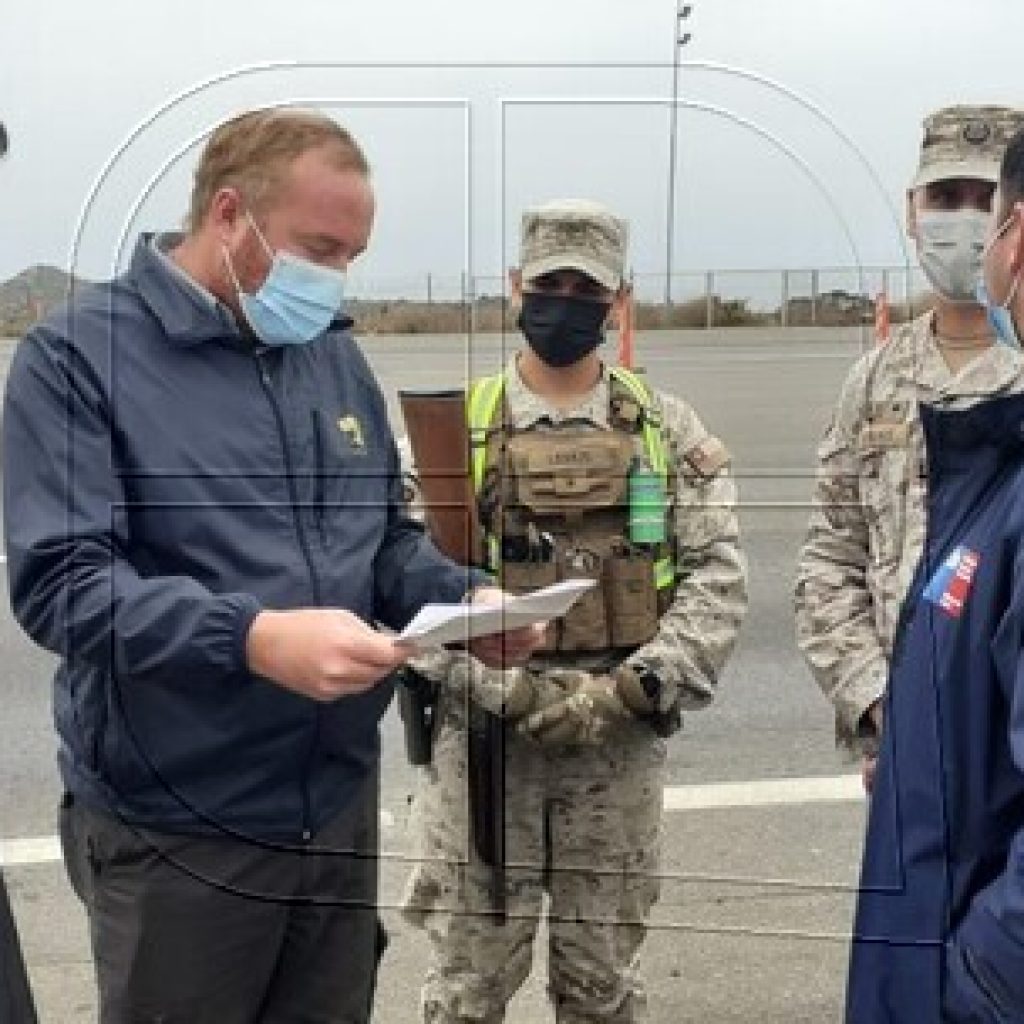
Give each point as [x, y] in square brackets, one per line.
[882, 324]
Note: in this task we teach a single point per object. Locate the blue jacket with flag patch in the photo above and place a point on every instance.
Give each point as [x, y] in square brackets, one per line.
[939, 927]
[165, 478]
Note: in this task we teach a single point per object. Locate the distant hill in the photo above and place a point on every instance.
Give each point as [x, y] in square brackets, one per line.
[30, 295]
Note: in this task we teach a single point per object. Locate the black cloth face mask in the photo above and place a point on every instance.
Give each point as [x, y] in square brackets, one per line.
[562, 329]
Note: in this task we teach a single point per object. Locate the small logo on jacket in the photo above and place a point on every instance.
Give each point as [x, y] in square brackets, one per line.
[353, 430]
[951, 585]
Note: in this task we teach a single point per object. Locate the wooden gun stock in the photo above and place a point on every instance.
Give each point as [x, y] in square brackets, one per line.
[436, 424]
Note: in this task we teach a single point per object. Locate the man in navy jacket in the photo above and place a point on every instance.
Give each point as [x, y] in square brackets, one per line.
[939, 931]
[204, 520]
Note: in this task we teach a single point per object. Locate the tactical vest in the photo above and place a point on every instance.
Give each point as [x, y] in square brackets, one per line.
[554, 505]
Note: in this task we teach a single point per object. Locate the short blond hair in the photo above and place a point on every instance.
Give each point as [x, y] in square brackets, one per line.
[252, 151]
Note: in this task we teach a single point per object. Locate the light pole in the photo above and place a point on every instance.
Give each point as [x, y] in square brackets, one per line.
[679, 40]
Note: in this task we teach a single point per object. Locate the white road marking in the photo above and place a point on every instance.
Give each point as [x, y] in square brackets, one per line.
[30, 850]
[715, 796]
[764, 793]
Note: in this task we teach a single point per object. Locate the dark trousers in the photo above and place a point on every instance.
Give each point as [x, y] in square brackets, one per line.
[220, 930]
[16, 1006]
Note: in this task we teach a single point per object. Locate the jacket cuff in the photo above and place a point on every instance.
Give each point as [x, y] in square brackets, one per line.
[470, 579]
[247, 608]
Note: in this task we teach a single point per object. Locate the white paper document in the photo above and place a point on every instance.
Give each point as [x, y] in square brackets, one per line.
[439, 624]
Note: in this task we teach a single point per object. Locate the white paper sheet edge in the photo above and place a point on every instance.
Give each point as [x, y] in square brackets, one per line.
[437, 624]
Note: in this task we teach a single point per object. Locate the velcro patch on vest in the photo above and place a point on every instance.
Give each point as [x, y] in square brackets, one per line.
[708, 457]
[553, 472]
[883, 434]
[889, 411]
[951, 585]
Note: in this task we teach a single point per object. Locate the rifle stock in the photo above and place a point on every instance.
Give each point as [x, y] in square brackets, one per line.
[436, 424]
[439, 438]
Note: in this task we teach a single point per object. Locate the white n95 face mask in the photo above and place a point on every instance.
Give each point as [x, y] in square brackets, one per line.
[950, 247]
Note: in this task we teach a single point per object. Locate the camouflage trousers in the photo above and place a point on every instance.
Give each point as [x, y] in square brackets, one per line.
[582, 826]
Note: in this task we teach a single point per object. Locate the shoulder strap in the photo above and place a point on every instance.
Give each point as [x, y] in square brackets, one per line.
[482, 403]
[654, 442]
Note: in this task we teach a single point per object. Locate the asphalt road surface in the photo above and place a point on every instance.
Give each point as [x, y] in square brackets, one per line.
[763, 819]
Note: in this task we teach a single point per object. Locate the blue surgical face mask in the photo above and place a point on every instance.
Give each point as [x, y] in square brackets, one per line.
[297, 301]
[1000, 317]
[999, 314]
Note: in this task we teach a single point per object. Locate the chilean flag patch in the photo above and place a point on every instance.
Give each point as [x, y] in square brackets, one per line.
[951, 585]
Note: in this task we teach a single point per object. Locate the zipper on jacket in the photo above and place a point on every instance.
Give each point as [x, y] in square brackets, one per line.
[289, 470]
[268, 387]
[318, 483]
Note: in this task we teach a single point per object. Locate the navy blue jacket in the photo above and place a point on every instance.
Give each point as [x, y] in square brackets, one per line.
[939, 930]
[164, 480]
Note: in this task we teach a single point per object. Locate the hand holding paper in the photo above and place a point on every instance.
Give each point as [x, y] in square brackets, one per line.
[439, 624]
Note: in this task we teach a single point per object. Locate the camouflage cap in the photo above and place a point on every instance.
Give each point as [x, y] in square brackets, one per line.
[574, 234]
[966, 142]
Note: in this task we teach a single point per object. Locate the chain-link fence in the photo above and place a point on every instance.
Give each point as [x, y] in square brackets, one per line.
[824, 297]
[430, 303]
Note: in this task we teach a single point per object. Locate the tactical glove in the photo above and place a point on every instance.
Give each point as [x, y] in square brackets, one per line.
[508, 693]
[632, 692]
[581, 717]
[643, 692]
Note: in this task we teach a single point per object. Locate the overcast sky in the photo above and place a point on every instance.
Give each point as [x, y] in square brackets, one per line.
[457, 152]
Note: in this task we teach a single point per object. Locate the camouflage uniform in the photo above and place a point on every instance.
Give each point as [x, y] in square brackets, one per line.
[867, 524]
[582, 822]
